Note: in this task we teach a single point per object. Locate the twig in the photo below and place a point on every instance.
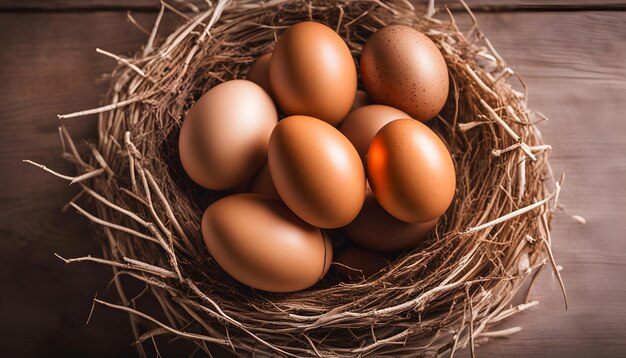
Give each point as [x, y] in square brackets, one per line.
[71, 179]
[510, 215]
[113, 226]
[153, 33]
[122, 61]
[500, 121]
[162, 325]
[132, 20]
[106, 108]
[115, 264]
[556, 270]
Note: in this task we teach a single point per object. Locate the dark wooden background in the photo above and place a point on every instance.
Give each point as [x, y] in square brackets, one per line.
[571, 53]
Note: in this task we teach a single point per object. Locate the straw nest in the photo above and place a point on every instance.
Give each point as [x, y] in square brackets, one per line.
[440, 297]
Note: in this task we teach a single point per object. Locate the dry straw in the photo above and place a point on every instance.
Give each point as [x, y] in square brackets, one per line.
[441, 297]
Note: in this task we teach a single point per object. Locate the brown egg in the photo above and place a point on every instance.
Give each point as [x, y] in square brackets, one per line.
[259, 73]
[361, 263]
[223, 140]
[361, 99]
[362, 124]
[375, 229]
[261, 243]
[402, 68]
[410, 171]
[312, 73]
[316, 171]
[262, 183]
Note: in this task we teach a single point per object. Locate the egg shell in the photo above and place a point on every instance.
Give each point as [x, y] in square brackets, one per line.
[223, 140]
[261, 243]
[403, 68]
[259, 72]
[410, 171]
[316, 171]
[312, 73]
[360, 99]
[375, 229]
[361, 263]
[362, 124]
[262, 183]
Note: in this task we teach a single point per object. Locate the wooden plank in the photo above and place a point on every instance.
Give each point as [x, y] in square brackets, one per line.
[507, 5]
[571, 62]
[573, 65]
[153, 5]
[50, 66]
[79, 4]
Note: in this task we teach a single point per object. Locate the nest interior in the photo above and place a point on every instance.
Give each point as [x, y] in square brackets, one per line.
[440, 297]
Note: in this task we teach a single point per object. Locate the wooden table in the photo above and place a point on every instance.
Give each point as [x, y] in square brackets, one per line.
[571, 53]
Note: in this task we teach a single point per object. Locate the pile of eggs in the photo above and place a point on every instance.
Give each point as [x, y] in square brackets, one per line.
[364, 162]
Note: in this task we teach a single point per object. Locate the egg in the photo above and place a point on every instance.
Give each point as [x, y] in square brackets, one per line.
[261, 243]
[259, 72]
[262, 183]
[224, 137]
[361, 264]
[312, 73]
[411, 171]
[376, 229]
[316, 171]
[360, 99]
[362, 124]
[403, 68]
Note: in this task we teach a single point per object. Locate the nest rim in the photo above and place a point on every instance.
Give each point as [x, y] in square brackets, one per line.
[150, 232]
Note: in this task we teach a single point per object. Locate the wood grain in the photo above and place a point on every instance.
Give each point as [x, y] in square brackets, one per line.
[153, 5]
[50, 66]
[573, 63]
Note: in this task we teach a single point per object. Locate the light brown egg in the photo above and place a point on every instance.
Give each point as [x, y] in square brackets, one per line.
[223, 140]
[261, 243]
[362, 124]
[361, 264]
[375, 229]
[403, 68]
[410, 171]
[262, 183]
[360, 99]
[312, 73]
[316, 171]
[259, 72]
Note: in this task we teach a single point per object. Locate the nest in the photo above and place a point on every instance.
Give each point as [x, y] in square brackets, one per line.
[442, 296]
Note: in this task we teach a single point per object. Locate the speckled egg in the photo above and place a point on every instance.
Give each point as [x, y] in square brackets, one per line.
[403, 68]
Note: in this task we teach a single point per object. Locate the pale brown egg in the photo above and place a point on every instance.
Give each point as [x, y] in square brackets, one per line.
[312, 73]
[403, 68]
[410, 171]
[259, 72]
[262, 183]
[360, 99]
[375, 229]
[361, 264]
[362, 124]
[261, 243]
[316, 171]
[223, 140]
